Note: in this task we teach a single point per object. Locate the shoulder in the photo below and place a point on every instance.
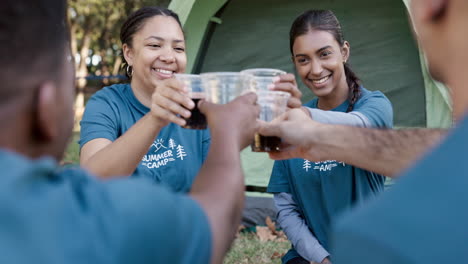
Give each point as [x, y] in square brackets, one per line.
[376, 107]
[16, 167]
[107, 100]
[369, 95]
[111, 93]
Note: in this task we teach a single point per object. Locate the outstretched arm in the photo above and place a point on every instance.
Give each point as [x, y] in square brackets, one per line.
[386, 152]
[354, 118]
[383, 151]
[219, 187]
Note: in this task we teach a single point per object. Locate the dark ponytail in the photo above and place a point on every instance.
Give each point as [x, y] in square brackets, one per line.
[326, 20]
[354, 87]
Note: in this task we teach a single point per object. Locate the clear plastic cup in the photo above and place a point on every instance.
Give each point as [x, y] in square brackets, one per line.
[272, 104]
[261, 78]
[223, 87]
[196, 91]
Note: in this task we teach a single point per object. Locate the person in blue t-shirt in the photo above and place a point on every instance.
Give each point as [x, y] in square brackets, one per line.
[135, 129]
[309, 195]
[53, 215]
[421, 219]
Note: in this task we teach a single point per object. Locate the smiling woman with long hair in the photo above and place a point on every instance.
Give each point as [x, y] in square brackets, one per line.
[310, 195]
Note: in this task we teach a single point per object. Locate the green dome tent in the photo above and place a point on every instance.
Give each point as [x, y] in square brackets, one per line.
[238, 34]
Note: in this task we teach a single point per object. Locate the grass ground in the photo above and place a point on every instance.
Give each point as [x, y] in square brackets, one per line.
[247, 247]
[72, 153]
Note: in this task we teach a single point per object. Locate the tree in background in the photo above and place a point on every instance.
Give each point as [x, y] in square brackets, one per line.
[95, 27]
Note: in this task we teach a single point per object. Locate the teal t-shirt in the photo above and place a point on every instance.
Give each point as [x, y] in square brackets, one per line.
[66, 216]
[174, 158]
[421, 219]
[322, 190]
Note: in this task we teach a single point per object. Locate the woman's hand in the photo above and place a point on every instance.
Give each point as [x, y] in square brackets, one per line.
[287, 83]
[170, 102]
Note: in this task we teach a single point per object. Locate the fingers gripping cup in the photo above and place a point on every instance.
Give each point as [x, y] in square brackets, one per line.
[261, 78]
[272, 104]
[223, 87]
[193, 83]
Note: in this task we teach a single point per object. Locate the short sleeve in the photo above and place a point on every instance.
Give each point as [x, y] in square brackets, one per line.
[279, 178]
[377, 108]
[158, 226]
[100, 120]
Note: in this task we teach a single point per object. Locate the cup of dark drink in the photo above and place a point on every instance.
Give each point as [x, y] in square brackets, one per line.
[193, 83]
[223, 87]
[272, 104]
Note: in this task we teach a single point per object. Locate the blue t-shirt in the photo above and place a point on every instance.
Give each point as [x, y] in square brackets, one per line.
[322, 190]
[66, 216]
[421, 219]
[176, 155]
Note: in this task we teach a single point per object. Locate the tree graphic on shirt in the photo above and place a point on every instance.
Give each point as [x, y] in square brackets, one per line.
[180, 152]
[307, 165]
[172, 144]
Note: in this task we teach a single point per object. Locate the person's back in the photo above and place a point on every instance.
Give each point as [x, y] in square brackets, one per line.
[422, 218]
[53, 215]
[66, 216]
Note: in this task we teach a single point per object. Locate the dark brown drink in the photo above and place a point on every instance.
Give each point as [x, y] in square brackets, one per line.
[197, 120]
[265, 144]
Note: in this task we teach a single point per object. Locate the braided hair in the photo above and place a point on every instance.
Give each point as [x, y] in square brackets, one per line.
[326, 20]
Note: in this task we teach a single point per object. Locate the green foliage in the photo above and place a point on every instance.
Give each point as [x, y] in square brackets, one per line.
[72, 153]
[100, 21]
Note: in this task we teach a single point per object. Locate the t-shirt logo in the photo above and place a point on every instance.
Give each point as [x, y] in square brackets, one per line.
[160, 154]
[158, 144]
[327, 165]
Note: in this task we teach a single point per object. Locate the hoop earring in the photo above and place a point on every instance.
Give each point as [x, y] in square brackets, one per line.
[129, 70]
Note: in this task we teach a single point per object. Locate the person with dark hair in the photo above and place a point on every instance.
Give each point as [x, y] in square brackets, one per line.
[52, 215]
[307, 194]
[421, 219]
[135, 129]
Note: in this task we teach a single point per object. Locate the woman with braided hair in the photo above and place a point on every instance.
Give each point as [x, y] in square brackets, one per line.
[309, 195]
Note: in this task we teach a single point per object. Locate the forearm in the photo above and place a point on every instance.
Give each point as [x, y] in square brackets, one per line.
[386, 152]
[296, 229]
[339, 118]
[121, 157]
[219, 188]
